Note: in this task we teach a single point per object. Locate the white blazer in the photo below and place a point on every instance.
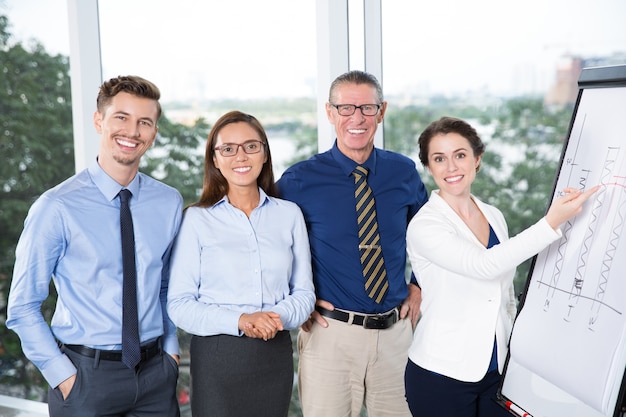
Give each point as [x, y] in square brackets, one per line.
[467, 290]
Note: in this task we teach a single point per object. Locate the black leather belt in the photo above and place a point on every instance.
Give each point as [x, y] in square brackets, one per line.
[147, 352]
[368, 321]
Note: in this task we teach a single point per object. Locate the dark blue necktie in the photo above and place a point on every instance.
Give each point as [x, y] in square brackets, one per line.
[131, 350]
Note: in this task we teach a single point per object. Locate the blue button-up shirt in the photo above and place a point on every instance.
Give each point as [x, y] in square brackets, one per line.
[323, 187]
[72, 235]
[225, 264]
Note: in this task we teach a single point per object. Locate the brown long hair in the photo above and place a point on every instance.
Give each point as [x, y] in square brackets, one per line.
[215, 186]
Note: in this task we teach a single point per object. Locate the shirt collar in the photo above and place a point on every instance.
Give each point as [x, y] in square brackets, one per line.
[107, 185]
[263, 198]
[347, 165]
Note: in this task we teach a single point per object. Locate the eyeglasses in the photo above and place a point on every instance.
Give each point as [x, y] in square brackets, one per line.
[349, 109]
[249, 147]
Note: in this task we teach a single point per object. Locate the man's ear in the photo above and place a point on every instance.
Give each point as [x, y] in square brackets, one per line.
[97, 121]
[329, 114]
[381, 112]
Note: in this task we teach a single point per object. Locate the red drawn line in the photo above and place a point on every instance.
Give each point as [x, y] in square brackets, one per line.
[615, 184]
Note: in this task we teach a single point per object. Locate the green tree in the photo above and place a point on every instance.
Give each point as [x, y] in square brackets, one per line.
[177, 157]
[305, 137]
[37, 151]
[36, 137]
[403, 127]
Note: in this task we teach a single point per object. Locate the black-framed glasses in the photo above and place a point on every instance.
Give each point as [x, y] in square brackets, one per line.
[349, 109]
[249, 147]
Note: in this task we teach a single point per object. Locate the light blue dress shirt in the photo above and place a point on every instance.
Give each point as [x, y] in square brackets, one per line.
[225, 264]
[72, 235]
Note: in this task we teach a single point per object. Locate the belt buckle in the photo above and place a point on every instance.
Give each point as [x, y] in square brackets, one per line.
[377, 321]
[381, 321]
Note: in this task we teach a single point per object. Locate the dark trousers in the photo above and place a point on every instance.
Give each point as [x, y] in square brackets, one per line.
[110, 389]
[239, 376]
[433, 395]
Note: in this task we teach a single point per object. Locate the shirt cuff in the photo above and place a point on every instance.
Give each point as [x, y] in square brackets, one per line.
[58, 370]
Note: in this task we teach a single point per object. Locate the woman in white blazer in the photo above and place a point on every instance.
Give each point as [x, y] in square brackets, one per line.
[464, 262]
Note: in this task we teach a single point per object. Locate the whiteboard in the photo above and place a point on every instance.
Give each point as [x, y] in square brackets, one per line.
[568, 346]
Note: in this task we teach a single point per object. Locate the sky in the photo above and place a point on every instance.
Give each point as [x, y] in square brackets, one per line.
[255, 49]
[503, 45]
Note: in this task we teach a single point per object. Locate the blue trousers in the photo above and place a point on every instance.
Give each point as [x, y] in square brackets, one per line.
[110, 389]
[433, 395]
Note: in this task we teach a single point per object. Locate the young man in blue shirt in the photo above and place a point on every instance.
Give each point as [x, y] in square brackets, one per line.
[353, 350]
[72, 235]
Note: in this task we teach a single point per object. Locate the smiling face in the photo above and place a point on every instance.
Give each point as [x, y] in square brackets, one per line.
[355, 134]
[240, 170]
[452, 163]
[127, 128]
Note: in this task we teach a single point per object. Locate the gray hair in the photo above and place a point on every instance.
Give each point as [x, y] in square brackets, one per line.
[356, 77]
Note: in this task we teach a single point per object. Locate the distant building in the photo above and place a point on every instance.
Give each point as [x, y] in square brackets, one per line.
[565, 89]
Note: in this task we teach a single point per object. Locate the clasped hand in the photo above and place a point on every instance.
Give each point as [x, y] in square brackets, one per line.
[261, 325]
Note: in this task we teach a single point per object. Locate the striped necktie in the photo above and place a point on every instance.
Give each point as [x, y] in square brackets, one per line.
[372, 261]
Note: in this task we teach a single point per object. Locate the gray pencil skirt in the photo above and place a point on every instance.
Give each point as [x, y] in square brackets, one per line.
[240, 376]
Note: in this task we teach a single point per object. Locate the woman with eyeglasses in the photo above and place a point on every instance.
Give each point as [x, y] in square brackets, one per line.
[240, 278]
